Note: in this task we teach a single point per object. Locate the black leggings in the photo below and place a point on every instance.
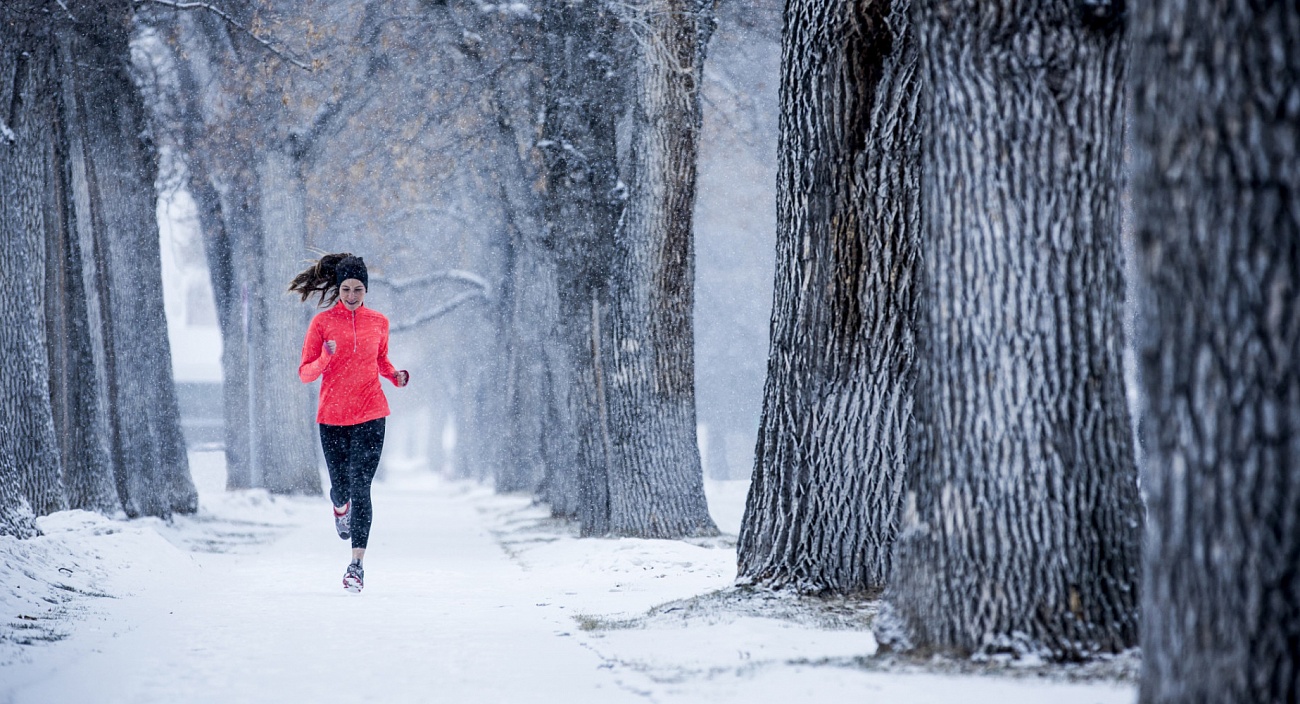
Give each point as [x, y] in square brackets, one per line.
[352, 455]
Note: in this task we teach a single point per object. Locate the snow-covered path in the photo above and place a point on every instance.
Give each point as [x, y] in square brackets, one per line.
[470, 597]
[445, 616]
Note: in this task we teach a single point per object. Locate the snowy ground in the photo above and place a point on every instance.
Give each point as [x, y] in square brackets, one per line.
[470, 597]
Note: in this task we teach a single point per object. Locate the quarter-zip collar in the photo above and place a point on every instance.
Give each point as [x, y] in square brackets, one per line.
[354, 325]
[341, 308]
[352, 315]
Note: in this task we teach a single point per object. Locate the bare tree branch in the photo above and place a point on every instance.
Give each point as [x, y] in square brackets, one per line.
[439, 311]
[360, 87]
[460, 275]
[178, 5]
[64, 5]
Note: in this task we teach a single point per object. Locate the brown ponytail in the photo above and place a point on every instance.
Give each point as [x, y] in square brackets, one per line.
[319, 279]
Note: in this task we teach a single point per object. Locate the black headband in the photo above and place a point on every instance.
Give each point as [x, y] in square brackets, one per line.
[351, 268]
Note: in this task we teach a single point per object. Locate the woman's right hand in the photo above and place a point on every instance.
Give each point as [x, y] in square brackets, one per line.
[330, 346]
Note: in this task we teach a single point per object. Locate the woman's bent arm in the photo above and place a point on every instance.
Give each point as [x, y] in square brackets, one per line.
[314, 357]
[386, 368]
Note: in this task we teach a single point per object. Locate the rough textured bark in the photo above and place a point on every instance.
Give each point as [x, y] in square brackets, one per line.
[580, 209]
[655, 479]
[119, 201]
[29, 451]
[96, 394]
[78, 392]
[1022, 522]
[830, 462]
[1216, 122]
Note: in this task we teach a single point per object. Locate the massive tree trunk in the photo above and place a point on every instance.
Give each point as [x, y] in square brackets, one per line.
[283, 448]
[656, 483]
[830, 465]
[1022, 524]
[150, 459]
[580, 209]
[1216, 123]
[29, 450]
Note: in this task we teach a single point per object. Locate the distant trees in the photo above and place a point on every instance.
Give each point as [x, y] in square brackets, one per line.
[1216, 179]
[247, 150]
[829, 471]
[250, 121]
[600, 445]
[575, 114]
[86, 381]
[610, 430]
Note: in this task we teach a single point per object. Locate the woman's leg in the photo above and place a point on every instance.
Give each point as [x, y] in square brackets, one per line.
[363, 461]
[336, 442]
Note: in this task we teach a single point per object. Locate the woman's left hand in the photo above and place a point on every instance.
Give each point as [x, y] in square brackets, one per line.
[403, 378]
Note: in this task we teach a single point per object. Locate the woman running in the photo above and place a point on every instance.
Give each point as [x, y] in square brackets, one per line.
[347, 345]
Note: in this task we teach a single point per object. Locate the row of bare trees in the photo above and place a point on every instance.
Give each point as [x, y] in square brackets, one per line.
[945, 418]
[597, 395]
[585, 118]
[240, 121]
[87, 405]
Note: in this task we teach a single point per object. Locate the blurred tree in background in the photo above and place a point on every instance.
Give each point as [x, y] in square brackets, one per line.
[480, 158]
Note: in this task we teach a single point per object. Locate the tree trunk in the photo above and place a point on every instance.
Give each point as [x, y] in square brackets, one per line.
[78, 389]
[656, 482]
[87, 202]
[229, 299]
[120, 205]
[219, 224]
[715, 459]
[1022, 523]
[283, 432]
[580, 209]
[237, 192]
[526, 311]
[830, 469]
[29, 450]
[527, 390]
[1215, 194]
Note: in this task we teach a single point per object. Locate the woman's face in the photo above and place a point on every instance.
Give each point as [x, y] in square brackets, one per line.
[353, 293]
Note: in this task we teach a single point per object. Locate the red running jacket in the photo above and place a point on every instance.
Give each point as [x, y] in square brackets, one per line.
[349, 392]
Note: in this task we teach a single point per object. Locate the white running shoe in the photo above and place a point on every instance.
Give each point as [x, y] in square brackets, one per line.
[354, 578]
[343, 520]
